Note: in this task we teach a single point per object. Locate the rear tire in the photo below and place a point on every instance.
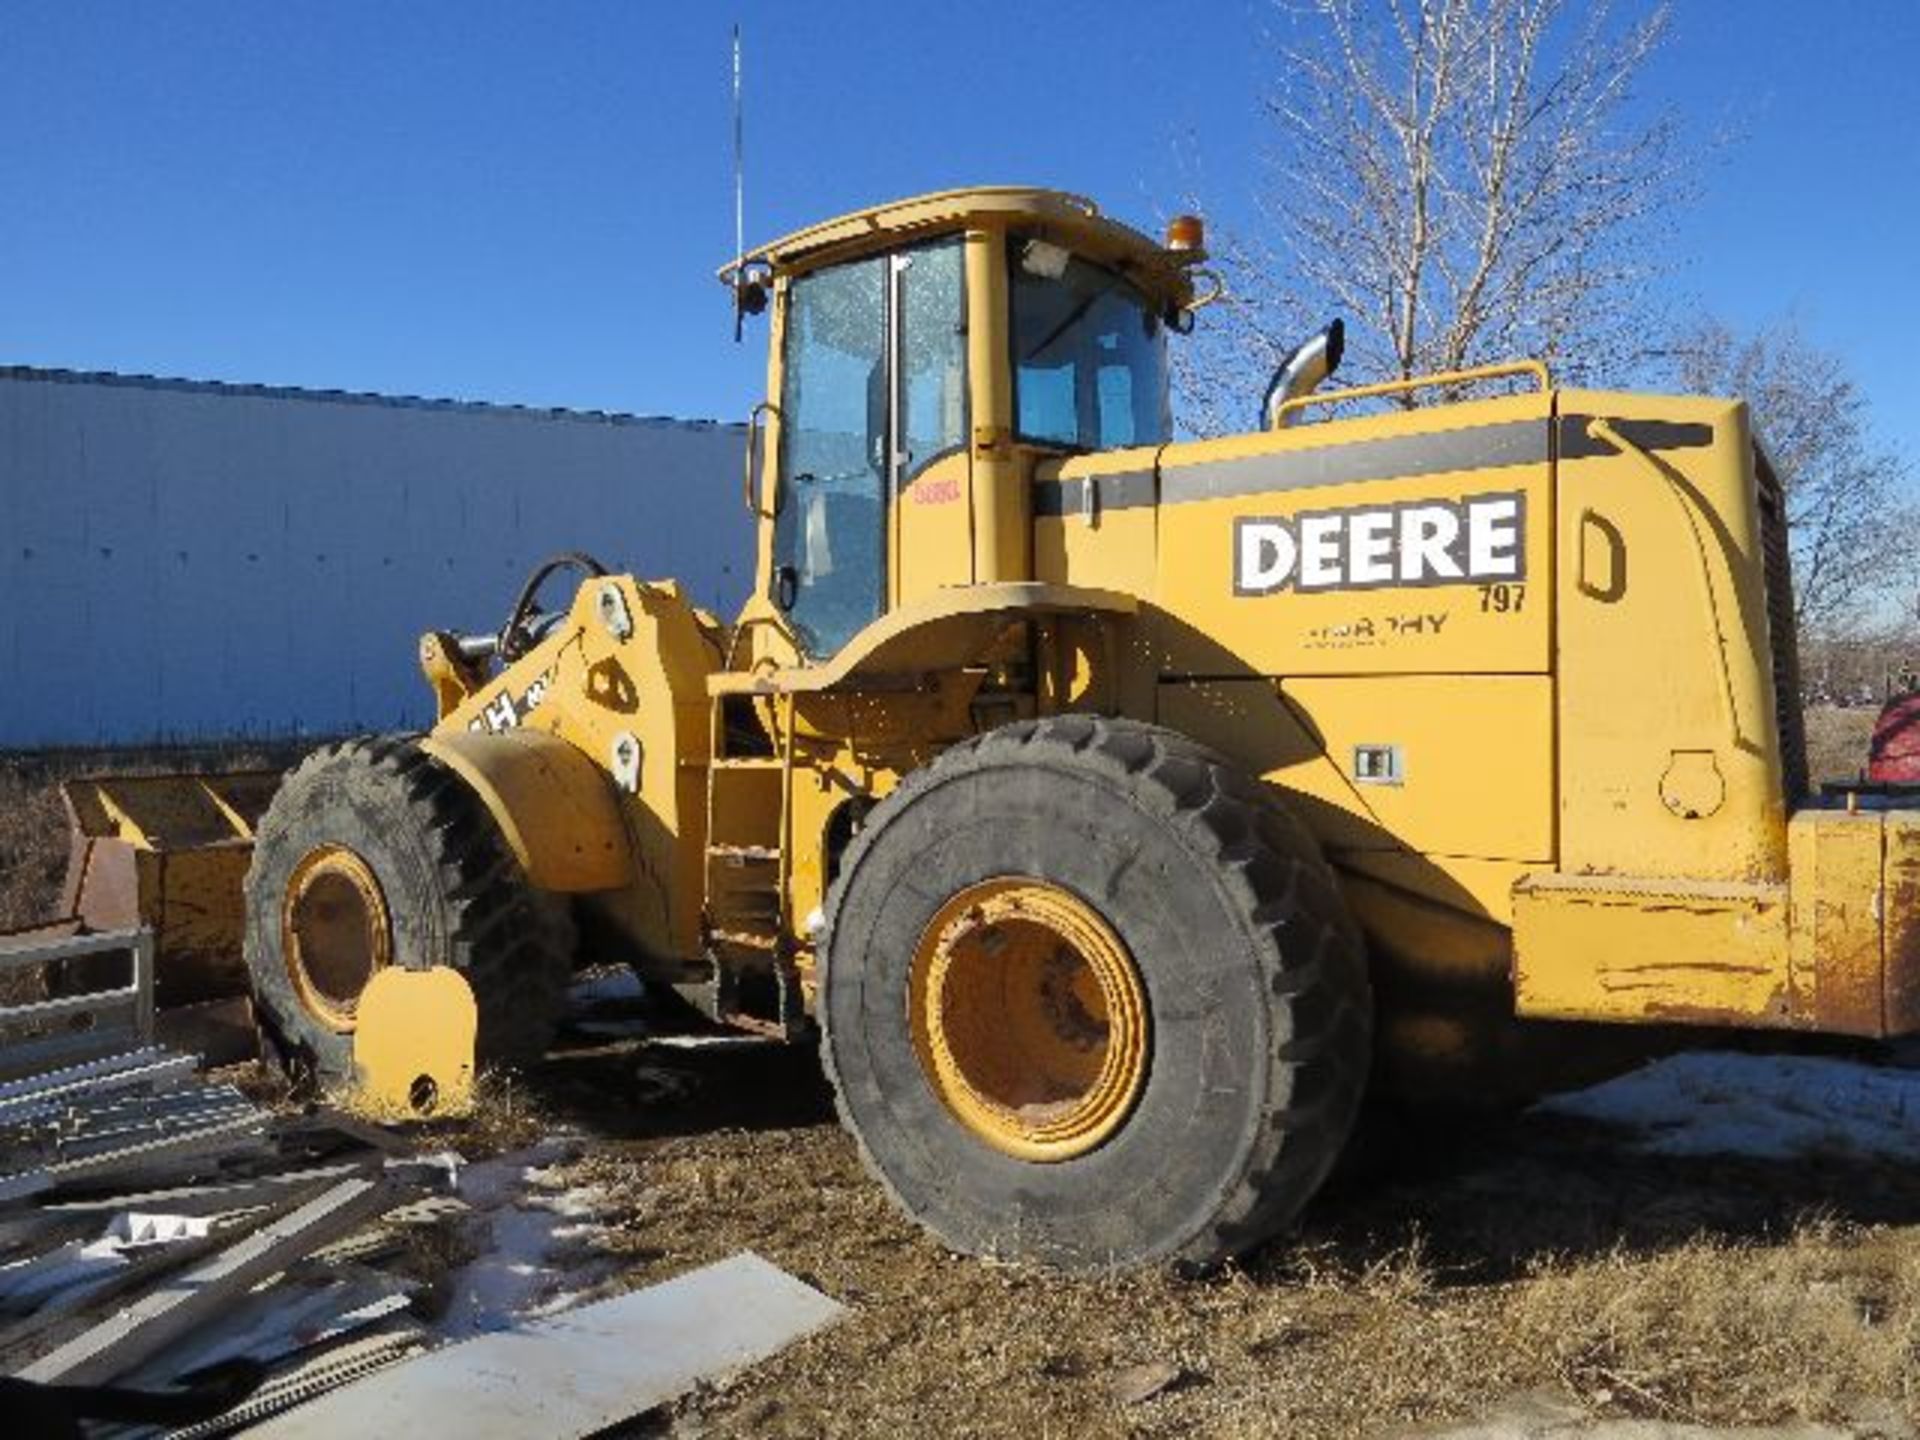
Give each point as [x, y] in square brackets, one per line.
[374, 853]
[1257, 1022]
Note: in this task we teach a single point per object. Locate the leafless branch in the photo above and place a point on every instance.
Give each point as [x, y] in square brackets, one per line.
[1463, 180]
[1849, 510]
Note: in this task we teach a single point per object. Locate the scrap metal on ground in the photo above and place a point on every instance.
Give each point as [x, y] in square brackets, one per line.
[579, 1372]
[156, 1225]
[176, 1259]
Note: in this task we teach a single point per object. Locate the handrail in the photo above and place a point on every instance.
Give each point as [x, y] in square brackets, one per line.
[755, 469]
[1206, 298]
[1536, 368]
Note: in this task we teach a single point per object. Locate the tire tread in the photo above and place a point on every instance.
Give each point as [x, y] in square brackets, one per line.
[1316, 981]
[513, 942]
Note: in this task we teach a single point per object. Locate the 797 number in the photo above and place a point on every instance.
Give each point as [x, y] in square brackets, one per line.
[1503, 599]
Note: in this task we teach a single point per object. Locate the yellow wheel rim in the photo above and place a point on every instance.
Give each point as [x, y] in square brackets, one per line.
[334, 933]
[1029, 1018]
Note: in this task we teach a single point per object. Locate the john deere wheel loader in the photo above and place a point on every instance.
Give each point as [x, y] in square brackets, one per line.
[1118, 808]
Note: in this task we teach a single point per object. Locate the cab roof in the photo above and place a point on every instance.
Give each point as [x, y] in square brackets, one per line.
[1064, 219]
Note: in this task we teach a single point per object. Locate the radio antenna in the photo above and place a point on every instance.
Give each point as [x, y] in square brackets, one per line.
[739, 197]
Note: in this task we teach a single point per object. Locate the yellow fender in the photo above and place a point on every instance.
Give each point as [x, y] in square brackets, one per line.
[558, 810]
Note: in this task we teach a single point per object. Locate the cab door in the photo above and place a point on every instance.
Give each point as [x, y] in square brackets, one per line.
[933, 532]
[831, 530]
[874, 504]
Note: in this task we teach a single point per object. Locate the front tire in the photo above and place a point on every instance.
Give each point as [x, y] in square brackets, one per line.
[373, 854]
[993, 931]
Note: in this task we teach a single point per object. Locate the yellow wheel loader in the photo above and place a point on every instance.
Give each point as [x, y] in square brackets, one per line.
[1117, 809]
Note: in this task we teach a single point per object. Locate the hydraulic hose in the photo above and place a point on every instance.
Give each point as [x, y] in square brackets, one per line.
[515, 640]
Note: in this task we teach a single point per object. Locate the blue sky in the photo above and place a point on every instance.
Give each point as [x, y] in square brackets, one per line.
[527, 202]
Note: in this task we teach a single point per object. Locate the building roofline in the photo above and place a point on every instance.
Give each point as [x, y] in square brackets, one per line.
[350, 397]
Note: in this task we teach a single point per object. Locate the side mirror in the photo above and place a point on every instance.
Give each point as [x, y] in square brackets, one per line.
[1301, 372]
[748, 279]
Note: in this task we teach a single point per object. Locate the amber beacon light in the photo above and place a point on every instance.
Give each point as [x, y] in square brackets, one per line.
[1186, 232]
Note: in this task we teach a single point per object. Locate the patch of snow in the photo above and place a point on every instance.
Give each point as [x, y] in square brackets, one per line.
[563, 1300]
[537, 1228]
[1774, 1107]
[714, 1042]
[509, 1280]
[486, 1184]
[578, 1202]
[613, 983]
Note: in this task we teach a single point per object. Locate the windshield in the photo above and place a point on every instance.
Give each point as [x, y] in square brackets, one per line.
[1089, 354]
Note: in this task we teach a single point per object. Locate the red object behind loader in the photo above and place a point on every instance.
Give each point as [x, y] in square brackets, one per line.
[1893, 756]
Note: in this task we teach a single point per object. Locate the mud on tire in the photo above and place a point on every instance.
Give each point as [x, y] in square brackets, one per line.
[434, 861]
[1258, 1000]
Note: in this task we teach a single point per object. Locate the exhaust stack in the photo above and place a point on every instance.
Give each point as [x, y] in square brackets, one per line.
[1302, 372]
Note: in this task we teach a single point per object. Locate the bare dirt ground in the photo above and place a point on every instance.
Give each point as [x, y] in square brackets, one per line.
[1461, 1265]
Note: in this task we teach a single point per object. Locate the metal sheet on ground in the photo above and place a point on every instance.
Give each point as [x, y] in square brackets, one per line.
[121, 1342]
[579, 1372]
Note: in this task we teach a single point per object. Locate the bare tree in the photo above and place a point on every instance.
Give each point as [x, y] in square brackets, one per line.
[1462, 180]
[1849, 510]
[1858, 669]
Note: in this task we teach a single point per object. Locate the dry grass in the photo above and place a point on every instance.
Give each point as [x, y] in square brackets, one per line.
[1807, 1325]
[1837, 741]
[1471, 1265]
[33, 851]
[505, 1115]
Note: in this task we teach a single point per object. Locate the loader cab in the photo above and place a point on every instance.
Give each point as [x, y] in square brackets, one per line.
[924, 357]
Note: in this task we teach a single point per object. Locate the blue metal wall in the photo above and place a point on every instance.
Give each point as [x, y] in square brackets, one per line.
[184, 561]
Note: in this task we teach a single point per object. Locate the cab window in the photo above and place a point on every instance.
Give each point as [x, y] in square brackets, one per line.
[873, 391]
[829, 537]
[930, 293]
[1089, 354]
